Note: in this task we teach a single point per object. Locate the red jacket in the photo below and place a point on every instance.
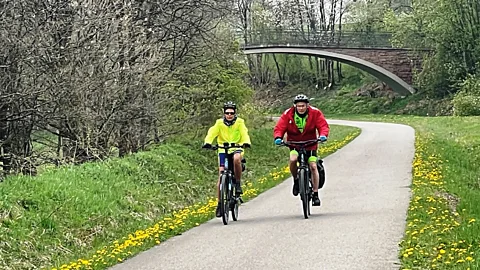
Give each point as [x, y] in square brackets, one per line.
[315, 121]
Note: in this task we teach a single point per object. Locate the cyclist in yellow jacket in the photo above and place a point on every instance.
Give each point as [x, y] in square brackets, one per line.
[229, 129]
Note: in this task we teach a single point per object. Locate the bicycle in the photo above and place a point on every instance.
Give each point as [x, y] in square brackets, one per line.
[304, 174]
[229, 201]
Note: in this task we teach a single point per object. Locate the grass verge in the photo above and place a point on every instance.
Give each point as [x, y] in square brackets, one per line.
[88, 216]
[444, 213]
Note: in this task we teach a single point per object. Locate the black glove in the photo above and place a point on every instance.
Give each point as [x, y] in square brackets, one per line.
[246, 145]
[207, 146]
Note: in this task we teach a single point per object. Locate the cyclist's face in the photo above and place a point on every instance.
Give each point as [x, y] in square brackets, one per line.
[301, 107]
[229, 114]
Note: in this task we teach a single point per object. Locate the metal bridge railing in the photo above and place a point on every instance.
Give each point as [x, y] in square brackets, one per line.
[333, 39]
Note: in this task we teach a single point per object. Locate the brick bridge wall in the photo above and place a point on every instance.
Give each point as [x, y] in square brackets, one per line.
[400, 62]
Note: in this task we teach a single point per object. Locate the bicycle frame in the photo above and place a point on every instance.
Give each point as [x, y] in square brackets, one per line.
[229, 167]
[301, 146]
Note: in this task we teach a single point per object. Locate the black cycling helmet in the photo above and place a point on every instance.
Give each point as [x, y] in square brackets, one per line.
[300, 98]
[229, 105]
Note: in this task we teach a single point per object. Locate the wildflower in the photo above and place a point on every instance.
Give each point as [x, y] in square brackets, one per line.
[436, 221]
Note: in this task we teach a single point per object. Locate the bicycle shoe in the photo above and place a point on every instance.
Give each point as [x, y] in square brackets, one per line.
[238, 189]
[296, 188]
[315, 200]
[218, 214]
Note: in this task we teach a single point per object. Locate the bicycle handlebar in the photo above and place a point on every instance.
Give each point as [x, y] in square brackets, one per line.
[226, 146]
[300, 143]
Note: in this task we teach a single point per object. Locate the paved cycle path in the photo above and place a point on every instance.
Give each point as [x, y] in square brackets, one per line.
[359, 225]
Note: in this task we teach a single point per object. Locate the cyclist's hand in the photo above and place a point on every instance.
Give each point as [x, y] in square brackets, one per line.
[278, 141]
[246, 145]
[207, 146]
[323, 138]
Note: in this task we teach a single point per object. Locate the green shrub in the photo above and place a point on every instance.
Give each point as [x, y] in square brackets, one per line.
[467, 101]
[466, 105]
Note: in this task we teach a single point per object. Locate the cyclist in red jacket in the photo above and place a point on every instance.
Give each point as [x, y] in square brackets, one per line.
[301, 123]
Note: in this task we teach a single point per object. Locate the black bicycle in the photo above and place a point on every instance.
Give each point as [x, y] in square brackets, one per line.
[304, 174]
[229, 201]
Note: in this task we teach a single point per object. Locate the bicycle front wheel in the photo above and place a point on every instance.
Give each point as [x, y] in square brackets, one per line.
[303, 181]
[224, 198]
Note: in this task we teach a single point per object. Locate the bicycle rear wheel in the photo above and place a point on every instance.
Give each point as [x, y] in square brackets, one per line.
[302, 177]
[224, 199]
[321, 174]
[234, 203]
[310, 194]
[234, 210]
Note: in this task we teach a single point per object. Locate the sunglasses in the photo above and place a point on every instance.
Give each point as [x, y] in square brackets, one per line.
[229, 113]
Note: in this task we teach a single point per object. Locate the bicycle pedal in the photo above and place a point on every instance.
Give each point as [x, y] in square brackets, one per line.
[240, 199]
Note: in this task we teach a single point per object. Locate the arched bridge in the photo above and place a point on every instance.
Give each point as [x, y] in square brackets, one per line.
[371, 52]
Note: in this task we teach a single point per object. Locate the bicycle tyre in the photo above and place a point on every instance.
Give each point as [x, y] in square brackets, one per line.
[321, 175]
[304, 191]
[234, 202]
[310, 194]
[224, 199]
[235, 211]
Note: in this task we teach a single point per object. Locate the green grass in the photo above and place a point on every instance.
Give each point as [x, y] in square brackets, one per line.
[345, 103]
[444, 214]
[349, 104]
[71, 212]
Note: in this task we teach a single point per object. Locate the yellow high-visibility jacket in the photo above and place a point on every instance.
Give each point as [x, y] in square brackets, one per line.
[236, 133]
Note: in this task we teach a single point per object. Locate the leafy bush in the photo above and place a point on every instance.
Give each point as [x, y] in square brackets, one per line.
[467, 101]
[466, 105]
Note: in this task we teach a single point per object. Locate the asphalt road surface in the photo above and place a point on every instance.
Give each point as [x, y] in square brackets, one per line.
[358, 226]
